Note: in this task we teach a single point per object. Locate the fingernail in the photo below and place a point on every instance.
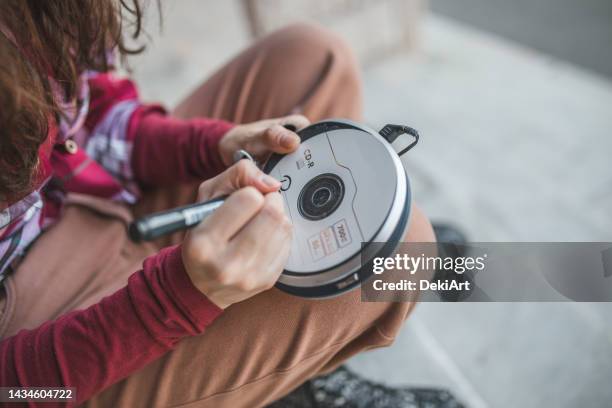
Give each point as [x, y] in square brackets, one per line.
[288, 140]
[270, 181]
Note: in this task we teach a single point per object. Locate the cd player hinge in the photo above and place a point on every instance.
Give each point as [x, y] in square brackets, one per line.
[391, 132]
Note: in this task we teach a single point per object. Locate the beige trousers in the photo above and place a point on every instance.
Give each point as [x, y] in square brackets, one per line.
[262, 348]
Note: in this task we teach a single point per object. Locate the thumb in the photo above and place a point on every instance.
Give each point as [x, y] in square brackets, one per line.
[295, 121]
[242, 174]
[275, 139]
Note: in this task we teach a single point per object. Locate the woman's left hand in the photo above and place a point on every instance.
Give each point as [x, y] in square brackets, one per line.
[262, 138]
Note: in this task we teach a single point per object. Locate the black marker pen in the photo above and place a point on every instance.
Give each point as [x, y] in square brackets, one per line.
[162, 223]
[153, 226]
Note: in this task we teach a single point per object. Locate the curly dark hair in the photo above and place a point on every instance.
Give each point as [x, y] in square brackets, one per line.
[57, 39]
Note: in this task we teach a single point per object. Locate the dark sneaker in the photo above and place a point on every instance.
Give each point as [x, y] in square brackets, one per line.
[451, 243]
[343, 388]
[449, 234]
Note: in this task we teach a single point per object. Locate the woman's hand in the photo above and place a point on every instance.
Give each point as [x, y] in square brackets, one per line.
[262, 138]
[241, 249]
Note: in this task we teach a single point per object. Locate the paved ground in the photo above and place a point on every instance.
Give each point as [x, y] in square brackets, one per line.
[576, 31]
[515, 146]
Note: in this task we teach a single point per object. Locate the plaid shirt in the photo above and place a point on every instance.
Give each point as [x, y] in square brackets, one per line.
[99, 165]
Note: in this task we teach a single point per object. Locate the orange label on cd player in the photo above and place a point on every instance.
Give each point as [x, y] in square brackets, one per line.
[341, 231]
[329, 240]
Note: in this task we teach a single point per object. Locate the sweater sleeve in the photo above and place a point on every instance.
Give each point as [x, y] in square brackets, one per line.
[167, 149]
[141, 145]
[158, 307]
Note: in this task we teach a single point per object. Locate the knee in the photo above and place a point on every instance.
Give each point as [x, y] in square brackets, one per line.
[420, 229]
[310, 38]
[314, 55]
[314, 42]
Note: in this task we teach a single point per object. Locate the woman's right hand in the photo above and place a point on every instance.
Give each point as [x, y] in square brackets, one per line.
[241, 249]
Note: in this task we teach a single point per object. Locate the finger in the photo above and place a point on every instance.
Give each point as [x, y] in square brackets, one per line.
[276, 252]
[244, 173]
[273, 255]
[267, 235]
[237, 210]
[269, 221]
[275, 139]
[298, 121]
